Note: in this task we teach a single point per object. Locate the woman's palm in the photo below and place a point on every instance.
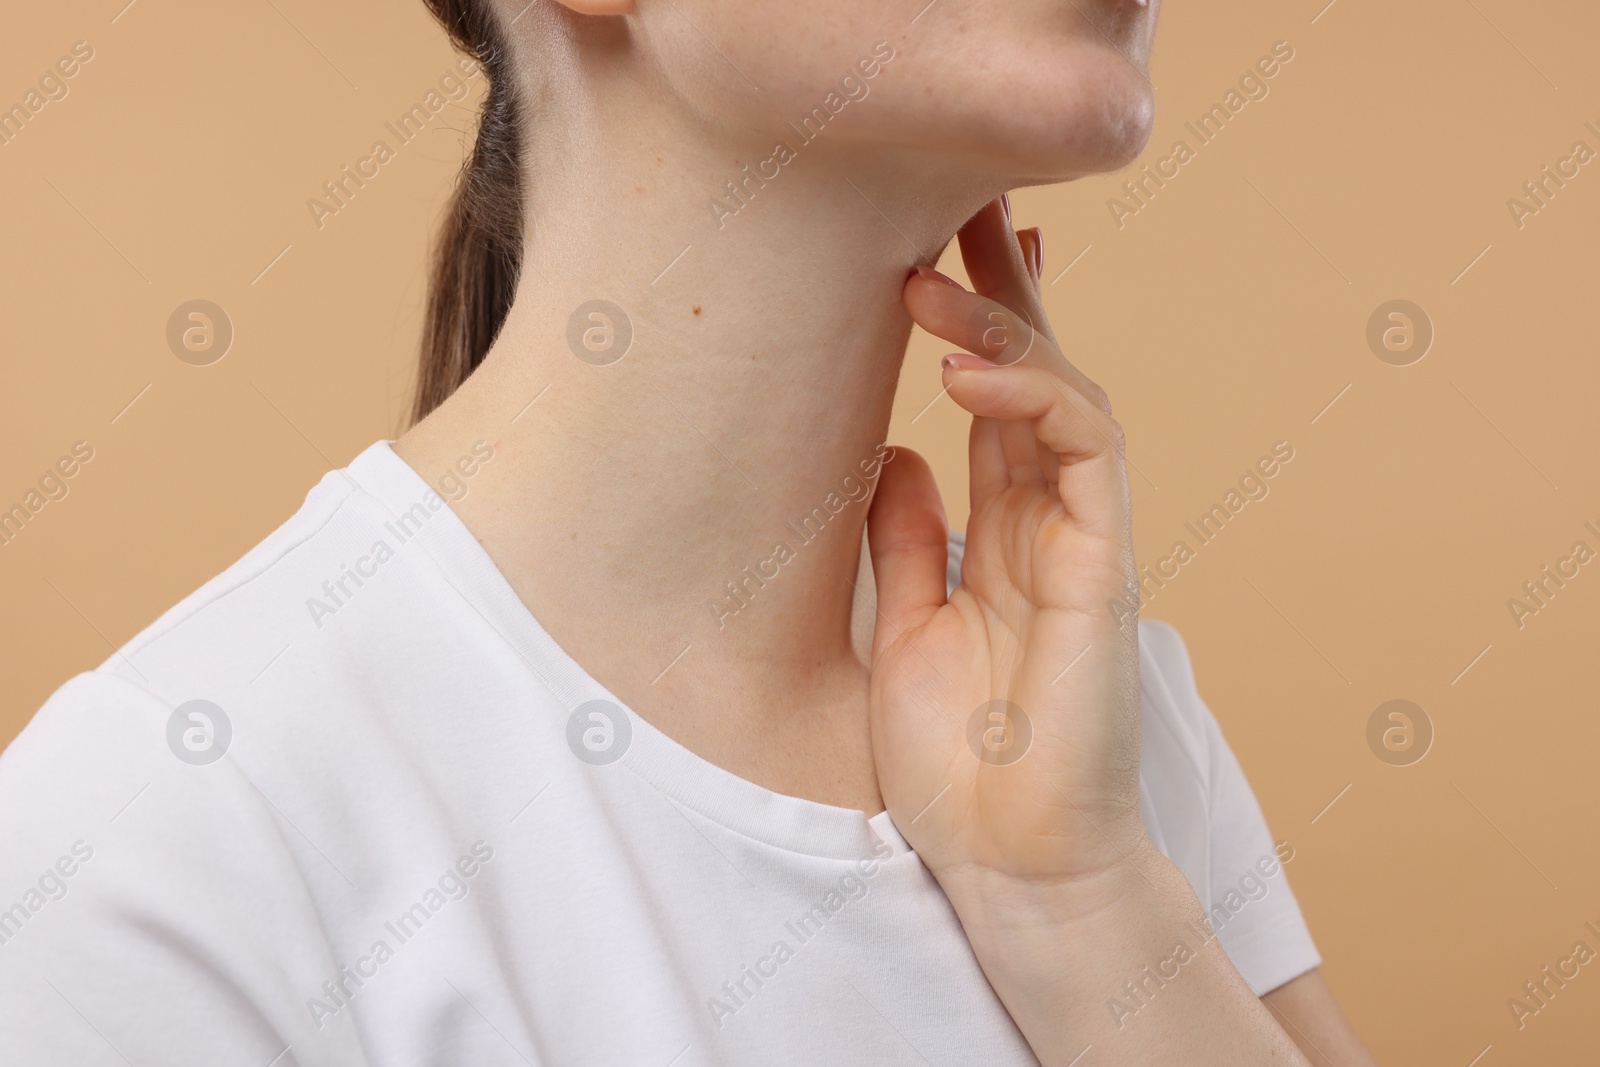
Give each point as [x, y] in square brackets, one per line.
[1005, 717]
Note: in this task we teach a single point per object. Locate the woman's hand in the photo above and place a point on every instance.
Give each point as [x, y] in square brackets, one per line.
[1005, 718]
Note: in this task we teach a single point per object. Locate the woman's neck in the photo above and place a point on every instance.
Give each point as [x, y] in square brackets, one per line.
[703, 492]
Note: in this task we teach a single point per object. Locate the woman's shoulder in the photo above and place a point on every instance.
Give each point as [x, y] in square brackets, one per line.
[285, 604]
[162, 693]
[252, 576]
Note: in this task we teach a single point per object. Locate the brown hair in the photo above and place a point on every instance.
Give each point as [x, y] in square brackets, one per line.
[478, 255]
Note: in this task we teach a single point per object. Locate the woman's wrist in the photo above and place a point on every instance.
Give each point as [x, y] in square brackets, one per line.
[1001, 909]
[1077, 963]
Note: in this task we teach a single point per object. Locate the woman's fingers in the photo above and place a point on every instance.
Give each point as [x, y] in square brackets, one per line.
[993, 255]
[982, 326]
[987, 328]
[1004, 323]
[1086, 442]
[988, 472]
[998, 264]
[908, 539]
[1032, 242]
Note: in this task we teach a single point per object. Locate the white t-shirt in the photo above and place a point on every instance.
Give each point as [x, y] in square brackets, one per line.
[400, 830]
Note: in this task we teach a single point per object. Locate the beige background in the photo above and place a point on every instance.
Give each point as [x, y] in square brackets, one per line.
[1223, 317]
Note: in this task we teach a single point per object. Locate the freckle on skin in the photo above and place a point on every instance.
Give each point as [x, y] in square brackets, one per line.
[697, 309]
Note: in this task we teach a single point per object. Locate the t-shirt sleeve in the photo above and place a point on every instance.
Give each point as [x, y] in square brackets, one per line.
[144, 912]
[1251, 906]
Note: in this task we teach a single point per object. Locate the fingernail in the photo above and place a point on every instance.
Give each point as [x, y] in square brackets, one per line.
[1025, 240]
[1038, 253]
[968, 361]
[933, 275]
[1005, 205]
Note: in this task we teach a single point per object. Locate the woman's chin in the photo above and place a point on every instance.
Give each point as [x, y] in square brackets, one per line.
[1126, 131]
[1077, 149]
[1084, 125]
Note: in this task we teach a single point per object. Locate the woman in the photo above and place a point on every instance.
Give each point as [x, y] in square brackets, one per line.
[576, 728]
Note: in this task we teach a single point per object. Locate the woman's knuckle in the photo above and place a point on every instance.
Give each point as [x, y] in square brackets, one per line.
[1118, 438]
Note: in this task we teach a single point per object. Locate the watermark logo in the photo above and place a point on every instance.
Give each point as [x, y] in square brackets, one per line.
[51, 886]
[738, 192]
[1141, 990]
[599, 732]
[1539, 991]
[53, 486]
[850, 887]
[454, 884]
[199, 732]
[999, 733]
[999, 334]
[339, 191]
[599, 333]
[52, 88]
[1253, 86]
[741, 591]
[1399, 333]
[1551, 180]
[1538, 591]
[1252, 486]
[1399, 733]
[339, 589]
[199, 332]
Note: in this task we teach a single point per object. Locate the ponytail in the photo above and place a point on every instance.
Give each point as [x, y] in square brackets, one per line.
[478, 256]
